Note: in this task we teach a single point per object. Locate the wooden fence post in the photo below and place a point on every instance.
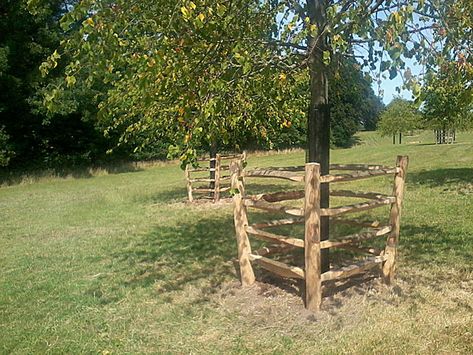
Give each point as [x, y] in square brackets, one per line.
[189, 183]
[218, 163]
[241, 222]
[389, 266]
[313, 284]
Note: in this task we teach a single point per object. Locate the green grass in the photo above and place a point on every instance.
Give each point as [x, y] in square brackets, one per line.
[118, 263]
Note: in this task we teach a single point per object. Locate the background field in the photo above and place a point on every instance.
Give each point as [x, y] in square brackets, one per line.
[119, 263]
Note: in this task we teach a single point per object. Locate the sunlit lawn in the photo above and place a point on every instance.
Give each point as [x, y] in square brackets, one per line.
[119, 263]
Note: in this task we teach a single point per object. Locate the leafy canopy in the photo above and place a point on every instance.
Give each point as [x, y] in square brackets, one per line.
[400, 116]
[204, 70]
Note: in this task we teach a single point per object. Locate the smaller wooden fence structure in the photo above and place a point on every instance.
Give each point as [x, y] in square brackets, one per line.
[443, 136]
[210, 182]
[310, 216]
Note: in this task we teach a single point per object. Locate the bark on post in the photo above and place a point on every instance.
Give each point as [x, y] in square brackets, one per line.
[218, 164]
[319, 111]
[241, 222]
[189, 184]
[390, 251]
[313, 286]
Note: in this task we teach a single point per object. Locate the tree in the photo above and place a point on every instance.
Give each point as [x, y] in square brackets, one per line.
[448, 101]
[199, 70]
[399, 117]
[447, 94]
[24, 42]
[5, 148]
[353, 103]
[29, 32]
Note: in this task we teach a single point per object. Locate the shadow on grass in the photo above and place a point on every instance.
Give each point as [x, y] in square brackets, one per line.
[427, 245]
[440, 177]
[170, 195]
[200, 254]
[15, 177]
[253, 188]
[173, 257]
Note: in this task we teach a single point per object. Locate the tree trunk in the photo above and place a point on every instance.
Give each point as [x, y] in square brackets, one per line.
[319, 112]
[400, 137]
[394, 138]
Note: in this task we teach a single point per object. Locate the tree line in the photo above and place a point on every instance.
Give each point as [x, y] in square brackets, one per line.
[150, 79]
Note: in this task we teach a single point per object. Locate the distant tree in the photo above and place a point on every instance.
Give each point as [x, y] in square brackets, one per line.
[29, 32]
[6, 152]
[353, 103]
[25, 40]
[448, 100]
[399, 117]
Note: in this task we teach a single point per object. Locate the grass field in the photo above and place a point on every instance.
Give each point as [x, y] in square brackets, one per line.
[119, 263]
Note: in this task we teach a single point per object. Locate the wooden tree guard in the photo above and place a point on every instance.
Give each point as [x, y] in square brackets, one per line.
[311, 215]
[216, 185]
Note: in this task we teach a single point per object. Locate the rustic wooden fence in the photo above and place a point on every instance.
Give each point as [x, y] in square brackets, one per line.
[210, 182]
[310, 216]
[443, 136]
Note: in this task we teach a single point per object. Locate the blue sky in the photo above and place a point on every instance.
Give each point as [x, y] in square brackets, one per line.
[389, 86]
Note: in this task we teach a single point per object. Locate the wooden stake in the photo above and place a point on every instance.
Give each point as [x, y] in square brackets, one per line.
[218, 163]
[389, 267]
[241, 222]
[313, 288]
[189, 184]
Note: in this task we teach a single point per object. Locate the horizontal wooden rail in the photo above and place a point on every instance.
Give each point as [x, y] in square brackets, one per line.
[201, 189]
[275, 238]
[357, 175]
[201, 180]
[355, 222]
[206, 159]
[273, 207]
[276, 174]
[357, 207]
[359, 194]
[296, 168]
[278, 196]
[278, 222]
[273, 249]
[362, 167]
[230, 156]
[354, 269]
[224, 189]
[222, 157]
[355, 238]
[194, 170]
[367, 250]
[278, 267]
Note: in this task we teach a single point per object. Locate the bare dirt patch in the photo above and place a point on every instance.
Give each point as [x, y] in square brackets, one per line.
[276, 302]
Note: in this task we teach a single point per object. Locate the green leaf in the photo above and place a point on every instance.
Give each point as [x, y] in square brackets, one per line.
[326, 57]
[70, 80]
[221, 9]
